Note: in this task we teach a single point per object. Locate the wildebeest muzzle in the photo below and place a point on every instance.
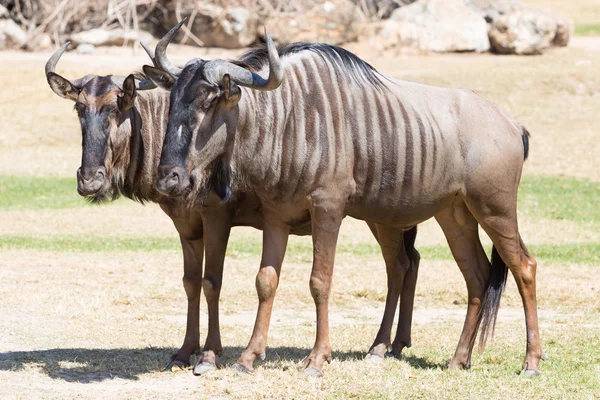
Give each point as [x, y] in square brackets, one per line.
[90, 180]
[172, 181]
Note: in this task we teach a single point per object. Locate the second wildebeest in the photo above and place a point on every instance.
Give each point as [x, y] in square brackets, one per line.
[123, 124]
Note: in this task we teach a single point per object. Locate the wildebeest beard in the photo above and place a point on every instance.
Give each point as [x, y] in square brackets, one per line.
[218, 177]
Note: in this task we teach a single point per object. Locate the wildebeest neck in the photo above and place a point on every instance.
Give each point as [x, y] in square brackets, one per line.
[137, 147]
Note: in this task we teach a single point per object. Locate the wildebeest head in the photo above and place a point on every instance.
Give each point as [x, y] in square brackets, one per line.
[102, 103]
[203, 110]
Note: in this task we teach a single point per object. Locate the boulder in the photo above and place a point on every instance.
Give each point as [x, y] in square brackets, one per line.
[104, 37]
[85, 48]
[230, 28]
[524, 31]
[11, 35]
[564, 30]
[333, 22]
[492, 9]
[3, 12]
[436, 26]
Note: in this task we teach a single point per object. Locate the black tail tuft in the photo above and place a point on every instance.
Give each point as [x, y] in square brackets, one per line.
[491, 299]
[525, 138]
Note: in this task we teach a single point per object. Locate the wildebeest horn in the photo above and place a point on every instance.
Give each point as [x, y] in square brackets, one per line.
[150, 53]
[52, 61]
[161, 52]
[215, 70]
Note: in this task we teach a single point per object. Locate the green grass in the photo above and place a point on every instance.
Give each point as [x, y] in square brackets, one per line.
[539, 196]
[560, 198]
[587, 30]
[577, 253]
[31, 193]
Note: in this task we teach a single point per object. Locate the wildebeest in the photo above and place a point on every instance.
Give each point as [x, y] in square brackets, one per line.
[123, 125]
[324, 136]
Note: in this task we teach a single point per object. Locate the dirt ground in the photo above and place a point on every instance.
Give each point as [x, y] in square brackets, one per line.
[103, 324]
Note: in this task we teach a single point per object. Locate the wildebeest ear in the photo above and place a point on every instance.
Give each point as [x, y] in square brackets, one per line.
[231, 91]
[127, 95]
[62, 87]
[161, 78]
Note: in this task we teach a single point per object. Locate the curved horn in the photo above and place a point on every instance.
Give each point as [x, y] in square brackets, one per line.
[52, 61]
[161, 52]
[215, 70]
[150, 53]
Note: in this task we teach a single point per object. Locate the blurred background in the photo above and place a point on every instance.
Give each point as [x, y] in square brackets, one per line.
[93, 294]
[500, 26]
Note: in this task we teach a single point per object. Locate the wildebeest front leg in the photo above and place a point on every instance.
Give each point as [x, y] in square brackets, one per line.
[192, 282]
[275, 236]
[326, 220]
[217, 222]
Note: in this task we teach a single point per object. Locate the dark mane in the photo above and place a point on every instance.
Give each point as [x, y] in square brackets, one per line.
[361, 71]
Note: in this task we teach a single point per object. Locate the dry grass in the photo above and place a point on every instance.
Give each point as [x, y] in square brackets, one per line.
[82, 324]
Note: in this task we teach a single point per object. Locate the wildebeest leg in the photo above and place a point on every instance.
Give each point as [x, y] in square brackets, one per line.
[217, 222]
[192, 282]
[498, 217]
[275, 236]
[326, 220]
[461, 231]
[407, 295]
[397, 263]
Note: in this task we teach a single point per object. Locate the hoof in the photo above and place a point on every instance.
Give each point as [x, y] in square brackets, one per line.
[459, 366]
[262, 356]
[176, 366]
[310, 371]
[373, 358]
[204, 368]
[391, 354]
[530, 373]
[543, 357]
[242, 369]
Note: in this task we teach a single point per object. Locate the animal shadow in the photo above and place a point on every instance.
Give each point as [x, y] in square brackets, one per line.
[96, 365]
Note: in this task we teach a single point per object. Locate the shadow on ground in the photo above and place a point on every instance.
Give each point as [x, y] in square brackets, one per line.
[96, 365]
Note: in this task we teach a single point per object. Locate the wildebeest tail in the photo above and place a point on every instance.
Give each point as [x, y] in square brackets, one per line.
[525, 136]
[488, 312]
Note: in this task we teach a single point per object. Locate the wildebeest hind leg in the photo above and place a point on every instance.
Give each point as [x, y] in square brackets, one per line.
[498, 217]
[461, 231]
[397, 265]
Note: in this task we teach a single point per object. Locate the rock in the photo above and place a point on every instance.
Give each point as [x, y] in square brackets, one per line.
[42, 41]
[115, 37]
[85, 48]
[564, 30]
[380, 8]
[438, 26]
[525, 31]
[492, 9]
[334, 22]
[11, 35]
[3, 12]
[231, 28]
